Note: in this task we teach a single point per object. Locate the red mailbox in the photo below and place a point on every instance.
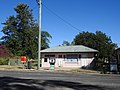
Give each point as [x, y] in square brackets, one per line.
[23, 59]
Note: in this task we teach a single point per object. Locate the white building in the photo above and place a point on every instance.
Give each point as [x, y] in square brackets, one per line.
[68, 56]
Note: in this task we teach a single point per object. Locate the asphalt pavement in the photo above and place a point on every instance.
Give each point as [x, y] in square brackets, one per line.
[39, 80]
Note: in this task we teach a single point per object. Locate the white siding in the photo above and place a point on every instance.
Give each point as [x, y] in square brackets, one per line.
[85, 60]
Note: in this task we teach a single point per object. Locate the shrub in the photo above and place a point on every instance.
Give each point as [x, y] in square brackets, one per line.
[4, 61]
[4, 51]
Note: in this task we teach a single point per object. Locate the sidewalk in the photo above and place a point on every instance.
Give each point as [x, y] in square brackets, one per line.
[71, 70]
[59, 69]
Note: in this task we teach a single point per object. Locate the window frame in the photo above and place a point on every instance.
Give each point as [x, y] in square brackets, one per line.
[72, 58]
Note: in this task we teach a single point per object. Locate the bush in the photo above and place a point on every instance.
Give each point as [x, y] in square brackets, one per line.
[4, 61]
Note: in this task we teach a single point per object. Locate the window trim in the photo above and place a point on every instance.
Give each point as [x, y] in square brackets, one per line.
[72, 60]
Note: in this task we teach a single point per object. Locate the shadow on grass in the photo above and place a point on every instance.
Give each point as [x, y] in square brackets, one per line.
[10, 83]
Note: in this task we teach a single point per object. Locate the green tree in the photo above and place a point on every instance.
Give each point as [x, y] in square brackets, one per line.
[21, 33]
[99, 41]
[66, 43]
[105, 45]
[45, 39]
[85, 38]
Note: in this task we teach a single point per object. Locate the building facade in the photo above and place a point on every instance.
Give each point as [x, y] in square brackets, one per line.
[68, 56]
[118, 59]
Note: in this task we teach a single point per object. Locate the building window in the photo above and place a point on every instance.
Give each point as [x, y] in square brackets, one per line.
[118, 58]
[45, 59]
[46, 55]
[49, 55]
[72, 58]
[52, 55]
[79, 55]
[64, 56]
[59, 56]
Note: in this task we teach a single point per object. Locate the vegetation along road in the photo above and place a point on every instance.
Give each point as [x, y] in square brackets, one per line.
[21, 80]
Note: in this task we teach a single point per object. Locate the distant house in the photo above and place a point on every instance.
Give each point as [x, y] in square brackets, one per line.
[115, 62]
[118, 53]
[68, 56]
[118, 58]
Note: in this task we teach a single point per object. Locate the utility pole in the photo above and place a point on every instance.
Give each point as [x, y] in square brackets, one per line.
[39, 41]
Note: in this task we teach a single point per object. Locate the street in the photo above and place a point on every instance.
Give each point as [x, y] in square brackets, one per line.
[38, 80]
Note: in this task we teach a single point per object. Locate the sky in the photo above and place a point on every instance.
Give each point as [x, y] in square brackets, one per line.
[64, 19]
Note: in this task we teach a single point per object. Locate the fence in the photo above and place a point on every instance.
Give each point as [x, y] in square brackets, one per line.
[17, 62]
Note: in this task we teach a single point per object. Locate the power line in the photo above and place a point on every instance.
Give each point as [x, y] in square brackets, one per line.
[61, 18]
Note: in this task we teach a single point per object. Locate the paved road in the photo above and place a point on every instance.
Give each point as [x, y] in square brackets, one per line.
[21, 80]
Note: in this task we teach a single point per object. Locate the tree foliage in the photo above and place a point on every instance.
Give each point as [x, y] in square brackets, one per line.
[45, 39]
[21, 33]
[99, 41]
[66, 43]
